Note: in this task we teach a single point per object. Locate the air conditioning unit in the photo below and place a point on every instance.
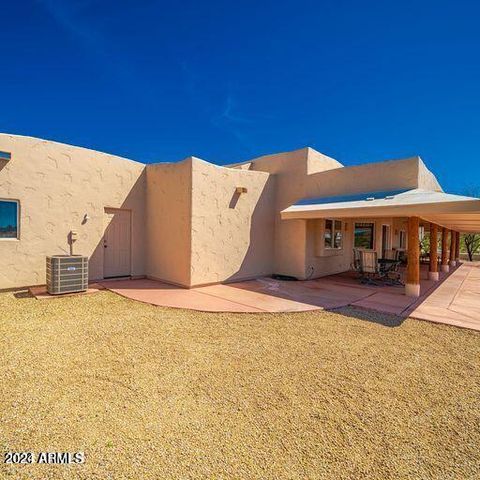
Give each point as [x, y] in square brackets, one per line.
[67, 274]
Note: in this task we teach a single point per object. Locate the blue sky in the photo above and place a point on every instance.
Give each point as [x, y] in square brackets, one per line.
[228, 81]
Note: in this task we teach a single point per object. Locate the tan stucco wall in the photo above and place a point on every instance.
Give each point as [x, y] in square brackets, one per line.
[321, 261]
[391, 175]
[56, 186]
[200, 231]
[168, 221]
[188, 225]
[292, 171]
[370, 177]
[232, 234]
[426, 179]
[399, 224]
[307, 174]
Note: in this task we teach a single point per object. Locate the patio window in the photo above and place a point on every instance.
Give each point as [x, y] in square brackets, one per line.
[8, 219]
[364, 235]
[333, 237]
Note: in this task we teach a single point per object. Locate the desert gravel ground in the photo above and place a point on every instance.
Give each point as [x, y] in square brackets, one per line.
[149, 393]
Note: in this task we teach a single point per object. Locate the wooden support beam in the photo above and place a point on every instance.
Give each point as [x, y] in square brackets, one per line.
[445, 267]
[412, 285]
[453, 248]
[433, 271]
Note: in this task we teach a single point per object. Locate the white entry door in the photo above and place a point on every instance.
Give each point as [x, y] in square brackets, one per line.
[117, 243]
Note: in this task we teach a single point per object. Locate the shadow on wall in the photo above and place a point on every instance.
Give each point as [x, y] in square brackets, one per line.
[234, 200]
[259, 257]
[135, 202]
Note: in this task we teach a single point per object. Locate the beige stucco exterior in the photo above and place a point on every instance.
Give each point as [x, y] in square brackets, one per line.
[192, 222]
[200, 231]
[306, 173]
[169, 222]
[56, 186]
[232, 233]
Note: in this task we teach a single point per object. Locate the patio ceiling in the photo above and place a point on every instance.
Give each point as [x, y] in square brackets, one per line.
[454, 212]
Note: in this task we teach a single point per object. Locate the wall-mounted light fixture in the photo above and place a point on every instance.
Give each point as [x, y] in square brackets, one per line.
[241, 190]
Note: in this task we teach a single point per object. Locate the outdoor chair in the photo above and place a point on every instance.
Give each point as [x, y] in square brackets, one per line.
[392, 254]
[369, 271]
[356, 266]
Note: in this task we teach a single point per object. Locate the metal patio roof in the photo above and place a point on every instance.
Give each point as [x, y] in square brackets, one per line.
[454, 212]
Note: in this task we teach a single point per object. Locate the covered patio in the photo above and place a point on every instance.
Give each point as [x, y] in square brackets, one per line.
[440, 214]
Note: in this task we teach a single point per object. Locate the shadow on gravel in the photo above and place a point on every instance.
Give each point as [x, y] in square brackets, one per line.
[385, 319]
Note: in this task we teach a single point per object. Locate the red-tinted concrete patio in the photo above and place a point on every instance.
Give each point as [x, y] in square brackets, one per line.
[454, 300]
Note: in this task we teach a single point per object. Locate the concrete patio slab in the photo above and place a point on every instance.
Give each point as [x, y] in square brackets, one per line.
[266, 302]
[455, 300]
[162, 294]
[385, 302]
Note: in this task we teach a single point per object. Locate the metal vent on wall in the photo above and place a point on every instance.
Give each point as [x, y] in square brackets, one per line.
[67, 274]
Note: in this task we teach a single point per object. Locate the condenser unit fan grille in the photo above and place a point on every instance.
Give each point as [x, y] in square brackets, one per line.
[67, 274]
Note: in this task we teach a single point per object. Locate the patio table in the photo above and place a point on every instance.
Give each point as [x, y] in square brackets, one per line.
[386, 261]
[388, 265]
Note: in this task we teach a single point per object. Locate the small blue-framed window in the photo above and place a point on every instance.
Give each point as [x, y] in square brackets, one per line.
[8, 219]
[5, 155]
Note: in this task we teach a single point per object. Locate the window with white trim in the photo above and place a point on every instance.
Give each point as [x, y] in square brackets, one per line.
[333, 235]
[8, 219]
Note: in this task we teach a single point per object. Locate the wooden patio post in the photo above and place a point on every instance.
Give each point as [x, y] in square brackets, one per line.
[445, 267]
[453, 248]
[433, 271]
[457, 250]
[412, 286]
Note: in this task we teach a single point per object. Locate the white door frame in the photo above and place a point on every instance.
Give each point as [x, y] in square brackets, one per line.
[130, 235]
[388, 237]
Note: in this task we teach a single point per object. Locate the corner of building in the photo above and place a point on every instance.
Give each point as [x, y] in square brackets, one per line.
[233, 213]
[168, 221]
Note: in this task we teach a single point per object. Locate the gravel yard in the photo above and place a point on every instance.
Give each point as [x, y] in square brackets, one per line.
[148, 392]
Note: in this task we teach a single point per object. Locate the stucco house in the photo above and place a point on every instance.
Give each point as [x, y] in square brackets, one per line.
[193, 223]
